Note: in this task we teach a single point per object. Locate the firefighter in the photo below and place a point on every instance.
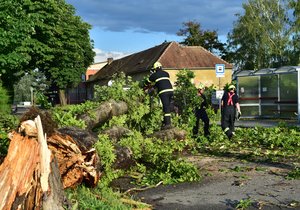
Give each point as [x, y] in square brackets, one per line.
[229, 106]
[200, 113]
[161, 81]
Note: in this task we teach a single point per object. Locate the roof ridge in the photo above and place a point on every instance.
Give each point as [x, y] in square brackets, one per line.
[186, 46]
[215, 55]
[166, 49]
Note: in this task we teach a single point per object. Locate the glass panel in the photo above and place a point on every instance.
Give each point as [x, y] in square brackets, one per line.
[269, 89]
[269, 111]
[249, 111]
[288, 111]
[248, 89]
[288, 88]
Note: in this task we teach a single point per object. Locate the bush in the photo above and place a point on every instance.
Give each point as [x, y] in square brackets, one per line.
[4, 101]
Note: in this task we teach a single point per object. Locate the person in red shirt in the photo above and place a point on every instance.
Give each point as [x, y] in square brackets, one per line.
[229, 105]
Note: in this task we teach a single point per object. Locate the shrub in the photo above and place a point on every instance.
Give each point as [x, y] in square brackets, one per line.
[4, 101]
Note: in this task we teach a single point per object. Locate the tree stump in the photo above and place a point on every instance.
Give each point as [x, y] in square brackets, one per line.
[37, 169]
[29, 174]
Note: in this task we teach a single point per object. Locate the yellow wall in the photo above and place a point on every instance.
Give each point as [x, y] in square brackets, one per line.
[207, 77]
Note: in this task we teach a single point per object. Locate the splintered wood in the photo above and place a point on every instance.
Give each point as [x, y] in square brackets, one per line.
[37, 168]
[19, 173]
[74, 166]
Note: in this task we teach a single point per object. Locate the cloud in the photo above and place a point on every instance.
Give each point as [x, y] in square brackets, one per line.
[158, 16]
[102, 55]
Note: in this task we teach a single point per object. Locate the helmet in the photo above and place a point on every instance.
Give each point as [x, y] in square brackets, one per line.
[156, 65]
[201, 86]
[231, 87]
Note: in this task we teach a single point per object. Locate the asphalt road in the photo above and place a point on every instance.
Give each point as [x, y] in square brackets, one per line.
[267, 189]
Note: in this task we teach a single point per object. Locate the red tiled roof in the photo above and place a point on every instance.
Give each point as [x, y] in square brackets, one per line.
[187, 57]
[170, 54]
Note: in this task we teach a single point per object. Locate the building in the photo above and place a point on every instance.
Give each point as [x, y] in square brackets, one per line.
[173, 57]
[94, 68]
[79, 94]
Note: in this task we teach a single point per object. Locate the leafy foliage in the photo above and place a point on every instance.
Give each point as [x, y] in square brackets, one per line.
[69, 115]
[185, 97]
[163, 161]
[295, 30]
[143, 113]
[195, 36]
[244, 204]
[294, 174]
[159, 160]
[4, 101]
[258, 143]
[7, 121]
[44, 35]
[97, 198]
[265, 25]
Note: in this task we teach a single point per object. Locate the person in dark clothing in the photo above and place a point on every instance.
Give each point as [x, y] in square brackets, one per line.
[161, 81]
[200, 113]
[229, 105]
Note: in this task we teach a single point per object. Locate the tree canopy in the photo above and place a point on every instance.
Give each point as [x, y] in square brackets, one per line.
[295, 23]
[44, 35]
[196, 36]
[261, 36]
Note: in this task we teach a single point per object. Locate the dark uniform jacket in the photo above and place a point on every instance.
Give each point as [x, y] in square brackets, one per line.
[204, 102]
[162, 81]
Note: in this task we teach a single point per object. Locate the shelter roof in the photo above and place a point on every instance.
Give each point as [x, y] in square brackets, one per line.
[267, 71]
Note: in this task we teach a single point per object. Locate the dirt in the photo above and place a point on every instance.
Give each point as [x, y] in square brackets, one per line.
[226, 182]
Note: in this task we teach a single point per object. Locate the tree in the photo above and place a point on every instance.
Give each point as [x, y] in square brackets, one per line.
[195, 36]
[295, 54]
[15, 31]
[72, 49]
[185, 96]
[44, 35]
[260, 37]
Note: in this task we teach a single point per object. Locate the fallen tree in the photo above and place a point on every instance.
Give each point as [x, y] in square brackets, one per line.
[103, 113]
[29, 175]
[37, 168]
[169, 134]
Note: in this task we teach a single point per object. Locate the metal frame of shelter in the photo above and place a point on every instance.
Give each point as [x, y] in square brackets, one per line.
[263, 77]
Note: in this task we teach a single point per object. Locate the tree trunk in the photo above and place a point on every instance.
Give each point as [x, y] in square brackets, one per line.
[104, 112]
[62, 97]
[169, 134]
[29, 175]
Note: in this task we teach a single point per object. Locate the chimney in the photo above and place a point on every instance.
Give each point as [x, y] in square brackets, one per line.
[109, 60]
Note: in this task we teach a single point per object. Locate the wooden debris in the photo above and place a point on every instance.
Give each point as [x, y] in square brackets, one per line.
[75, 166]
[37, 168]
[28, 178]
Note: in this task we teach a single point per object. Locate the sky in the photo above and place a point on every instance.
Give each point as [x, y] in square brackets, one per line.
[120, 27]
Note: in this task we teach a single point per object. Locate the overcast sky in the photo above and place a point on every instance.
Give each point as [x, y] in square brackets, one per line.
[122, 27]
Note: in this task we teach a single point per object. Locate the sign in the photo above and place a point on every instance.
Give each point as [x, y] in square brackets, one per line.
[220, 70]
[214, 99]
[219, 94]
